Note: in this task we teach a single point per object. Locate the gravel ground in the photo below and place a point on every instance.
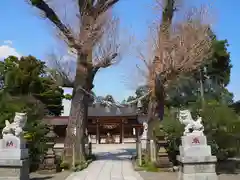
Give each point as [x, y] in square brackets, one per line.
[58, 176]
[173, 176]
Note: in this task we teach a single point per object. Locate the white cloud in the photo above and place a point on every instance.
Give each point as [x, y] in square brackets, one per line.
[6, 50]
[9, 42]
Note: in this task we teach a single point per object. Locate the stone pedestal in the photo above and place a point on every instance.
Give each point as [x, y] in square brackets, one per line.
[196, 161]
[14, 162]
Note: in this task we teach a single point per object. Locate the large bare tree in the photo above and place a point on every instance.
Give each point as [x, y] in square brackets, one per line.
[94, 19]
[177, 48]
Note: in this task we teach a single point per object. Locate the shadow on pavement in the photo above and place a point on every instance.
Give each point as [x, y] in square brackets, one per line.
[122, 154]
[42, 178]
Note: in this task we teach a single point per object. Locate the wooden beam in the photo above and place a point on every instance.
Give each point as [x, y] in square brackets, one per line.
[122, 131]
[98, 133]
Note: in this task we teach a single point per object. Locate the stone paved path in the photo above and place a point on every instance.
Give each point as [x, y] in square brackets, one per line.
[113, 164]
[174, 176]
[59, 176]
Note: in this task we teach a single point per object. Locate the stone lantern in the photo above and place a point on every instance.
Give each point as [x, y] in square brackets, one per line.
[162, 155]
[49, 161]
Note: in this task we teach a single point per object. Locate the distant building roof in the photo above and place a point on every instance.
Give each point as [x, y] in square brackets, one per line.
[99, 110]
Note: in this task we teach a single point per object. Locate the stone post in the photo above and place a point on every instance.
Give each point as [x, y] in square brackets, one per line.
[196, 160]
[90, 148]
[152, 151]
[139, 153]
[89, 145]
[48, 165]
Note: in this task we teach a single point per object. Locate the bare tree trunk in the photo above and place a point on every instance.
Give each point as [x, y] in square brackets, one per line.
[156, 108]
[78, 113]
[156, 103]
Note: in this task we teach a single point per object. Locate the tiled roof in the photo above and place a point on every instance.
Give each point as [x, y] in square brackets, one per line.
[99, 110]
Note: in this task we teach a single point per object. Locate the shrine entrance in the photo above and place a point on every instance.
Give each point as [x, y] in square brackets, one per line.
[112, 130]
[113, 125]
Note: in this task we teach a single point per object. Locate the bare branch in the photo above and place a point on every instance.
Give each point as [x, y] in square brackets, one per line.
[106, 51]
[104, 5]
[178, 48]
[53, 17]
[61, 69]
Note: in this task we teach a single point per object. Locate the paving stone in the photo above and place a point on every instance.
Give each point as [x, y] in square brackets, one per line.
[174, 176]
[57, 176]
[114, 164]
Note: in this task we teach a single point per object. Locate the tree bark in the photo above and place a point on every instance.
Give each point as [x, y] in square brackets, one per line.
[78, 113]
[156, 103]
[156, 109]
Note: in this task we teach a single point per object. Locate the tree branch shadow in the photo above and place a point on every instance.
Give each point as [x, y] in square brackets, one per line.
[42, 178]
[116, 156]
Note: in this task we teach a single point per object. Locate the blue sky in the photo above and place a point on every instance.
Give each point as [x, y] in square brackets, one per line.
[23, 32]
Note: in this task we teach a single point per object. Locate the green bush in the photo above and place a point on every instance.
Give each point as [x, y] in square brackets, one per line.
[65, 165]
[92, 157]
[78, 165]
[173, 131]
[147, 165]
[222, 127]
[36, 143]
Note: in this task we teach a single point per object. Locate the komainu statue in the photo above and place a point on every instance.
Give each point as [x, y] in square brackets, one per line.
[191, 126]
[16, 127]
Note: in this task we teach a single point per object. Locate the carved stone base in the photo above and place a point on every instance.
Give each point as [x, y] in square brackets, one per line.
[196, 161]
[14, 169]
[197, 168]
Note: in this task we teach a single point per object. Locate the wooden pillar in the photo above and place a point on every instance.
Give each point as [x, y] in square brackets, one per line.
[98, 133]
[137, 139]
[122, 132]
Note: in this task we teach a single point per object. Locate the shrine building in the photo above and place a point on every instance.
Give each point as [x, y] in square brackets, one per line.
[123, 123]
